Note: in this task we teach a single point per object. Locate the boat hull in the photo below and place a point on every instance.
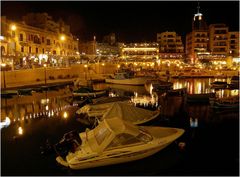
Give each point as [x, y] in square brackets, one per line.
[118, 160]
[162, 138]
[131, 81]
[91, 94]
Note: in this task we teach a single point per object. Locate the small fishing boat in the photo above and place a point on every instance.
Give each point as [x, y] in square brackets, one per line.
[126, 77]
[157, 85]
[231, 102]
[234, 84]
[8, 93]
[200, 98]
[113, 141]
[219, 85]
[177, 92]
[88, 92]
[27, 91]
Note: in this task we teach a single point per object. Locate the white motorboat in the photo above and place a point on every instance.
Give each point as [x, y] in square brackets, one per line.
[115, 141]
[123, 110]
[126, 78]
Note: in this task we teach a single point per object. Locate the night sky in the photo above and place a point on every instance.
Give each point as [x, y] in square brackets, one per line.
[136, 21]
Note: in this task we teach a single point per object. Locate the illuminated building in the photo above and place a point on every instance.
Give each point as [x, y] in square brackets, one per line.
[169, 42]
[234, 44]
[37, 38]
[140, 51]
[218, 39]
[197, 40]
[210, 43]
[170, 45]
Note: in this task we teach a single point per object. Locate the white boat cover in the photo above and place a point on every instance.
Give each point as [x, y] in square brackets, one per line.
[100, 137]
[93, 110]
[130, 113]
[123, 110]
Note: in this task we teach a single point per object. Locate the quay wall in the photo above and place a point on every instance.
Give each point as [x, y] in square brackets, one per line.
[36, 76]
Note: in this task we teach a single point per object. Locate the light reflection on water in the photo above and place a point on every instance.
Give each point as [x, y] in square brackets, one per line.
[51, 103]
[38, 105]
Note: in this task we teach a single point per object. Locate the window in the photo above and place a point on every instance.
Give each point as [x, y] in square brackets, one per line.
[42, 50]
[30, 49]
[42, 39]
[22, 49]
[101, 133]
[48, 42]
[36, 50]
[13, 33]
[20, 37]
[123, 139]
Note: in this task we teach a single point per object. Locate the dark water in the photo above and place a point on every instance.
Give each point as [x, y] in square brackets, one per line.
[211, 138]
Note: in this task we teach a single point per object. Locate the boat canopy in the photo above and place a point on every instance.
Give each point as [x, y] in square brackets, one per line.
[129, 113]
[109, 133]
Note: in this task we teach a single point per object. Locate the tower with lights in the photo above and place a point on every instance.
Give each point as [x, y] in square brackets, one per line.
[197, 40]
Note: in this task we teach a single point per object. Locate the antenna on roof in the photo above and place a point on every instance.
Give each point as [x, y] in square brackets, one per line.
[198, 7]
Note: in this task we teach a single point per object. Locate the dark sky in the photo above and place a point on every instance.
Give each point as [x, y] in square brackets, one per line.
[132, 21]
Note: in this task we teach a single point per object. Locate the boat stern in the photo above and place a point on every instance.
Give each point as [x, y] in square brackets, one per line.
[61, 161]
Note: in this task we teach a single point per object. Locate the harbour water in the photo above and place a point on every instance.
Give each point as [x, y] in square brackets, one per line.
[211, 137]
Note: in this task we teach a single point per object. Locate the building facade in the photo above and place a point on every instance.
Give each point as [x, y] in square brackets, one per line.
[170, 42]
[212, 43]
[140, 51]
[47, 43]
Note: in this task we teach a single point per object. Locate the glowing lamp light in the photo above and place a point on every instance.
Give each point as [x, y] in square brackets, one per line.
[20, 130]
[118, 66]
[13, 27]
[45, 65]
[85, 66]
[65, 115]
[103, 64]
[62, 38]
[3, 64]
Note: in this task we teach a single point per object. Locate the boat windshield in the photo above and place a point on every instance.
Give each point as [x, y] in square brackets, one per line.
[101, 132]
[123, 139]
[144, 135]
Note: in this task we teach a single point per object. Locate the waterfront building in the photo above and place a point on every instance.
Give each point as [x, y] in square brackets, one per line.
[213, 43]
[170, 42]
[197, 39]
[140, 51]
[37, 39]
[234, 43]
[218, 39]
[110, 39]
[171, 48]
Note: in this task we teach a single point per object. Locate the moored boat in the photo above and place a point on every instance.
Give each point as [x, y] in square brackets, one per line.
[126, 78]
[157, 85]
[234, 84]
[200, 98]
[219, 85]
[114, 141]
[123, 110]
[88, 92]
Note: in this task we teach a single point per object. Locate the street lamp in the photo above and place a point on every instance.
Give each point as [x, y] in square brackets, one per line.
[103, 64]
[85, 66]
[62, 39]
[13, 27]
[45, 72]
[4, 79]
